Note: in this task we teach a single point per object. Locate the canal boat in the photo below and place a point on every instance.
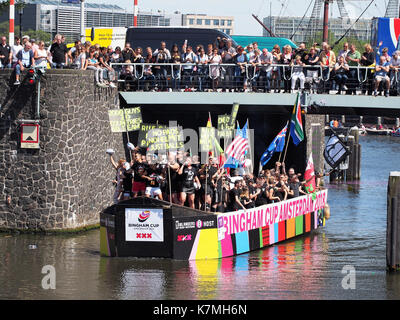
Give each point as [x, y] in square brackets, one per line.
[396, 134]
[147, 227]
[381, 132]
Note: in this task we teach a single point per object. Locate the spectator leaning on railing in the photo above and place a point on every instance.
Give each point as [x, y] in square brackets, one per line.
[25, 60]
[59, 53]
[381, 75]
[5, 54]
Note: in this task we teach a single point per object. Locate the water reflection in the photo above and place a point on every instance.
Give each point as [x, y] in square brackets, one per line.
[308, 267]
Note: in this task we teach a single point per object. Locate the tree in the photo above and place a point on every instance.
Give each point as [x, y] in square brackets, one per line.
[5, 5]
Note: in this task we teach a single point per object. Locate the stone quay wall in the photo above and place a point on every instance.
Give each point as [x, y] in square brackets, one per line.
[66, 183]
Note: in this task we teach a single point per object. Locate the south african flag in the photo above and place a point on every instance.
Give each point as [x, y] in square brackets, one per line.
[296, 124]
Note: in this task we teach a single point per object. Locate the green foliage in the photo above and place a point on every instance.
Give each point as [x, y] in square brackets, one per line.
[5, 4]
[33, 34]
[339, 46]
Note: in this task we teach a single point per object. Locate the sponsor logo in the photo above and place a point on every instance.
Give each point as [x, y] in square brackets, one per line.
[143, 235]
[144, 216]
[194, 224]
[187, 237]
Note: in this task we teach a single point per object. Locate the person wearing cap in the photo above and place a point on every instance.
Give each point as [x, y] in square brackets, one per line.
[25, 39]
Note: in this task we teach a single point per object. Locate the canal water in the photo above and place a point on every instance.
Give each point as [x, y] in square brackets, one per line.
[310, 267]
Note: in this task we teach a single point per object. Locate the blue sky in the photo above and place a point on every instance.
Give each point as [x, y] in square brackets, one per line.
[245, 24]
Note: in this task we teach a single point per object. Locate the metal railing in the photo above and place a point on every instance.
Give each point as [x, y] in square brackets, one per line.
[232, 77]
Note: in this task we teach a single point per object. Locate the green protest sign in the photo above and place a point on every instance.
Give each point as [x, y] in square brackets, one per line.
[225, 129]
[162, 139]
[235, 110]
[207, 137]
[143, 133]
[130, 121]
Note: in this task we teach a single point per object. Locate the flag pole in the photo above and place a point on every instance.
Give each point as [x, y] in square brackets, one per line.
[250, 151]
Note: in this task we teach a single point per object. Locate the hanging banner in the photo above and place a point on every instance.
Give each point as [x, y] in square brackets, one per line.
[250, 219]
[132, 117]
[144, 225]
[207, 137]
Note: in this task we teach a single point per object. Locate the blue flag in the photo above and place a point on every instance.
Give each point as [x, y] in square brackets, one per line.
[276, 145]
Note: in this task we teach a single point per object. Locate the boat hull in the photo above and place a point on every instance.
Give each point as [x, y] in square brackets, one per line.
[185, 234]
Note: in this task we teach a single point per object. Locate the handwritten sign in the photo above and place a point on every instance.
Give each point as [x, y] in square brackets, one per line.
[162, 139]
[225, 129]
[144, 130]
[207, 137]
[130, 121]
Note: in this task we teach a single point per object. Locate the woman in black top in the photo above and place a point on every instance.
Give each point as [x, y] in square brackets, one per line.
[367, 59]
[189, 177]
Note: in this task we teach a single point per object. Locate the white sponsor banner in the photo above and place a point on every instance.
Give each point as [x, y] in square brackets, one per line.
[245, 220]
[144, 225]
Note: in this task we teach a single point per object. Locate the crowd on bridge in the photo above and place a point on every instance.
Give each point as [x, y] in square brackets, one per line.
[218, 67]
[181, 179]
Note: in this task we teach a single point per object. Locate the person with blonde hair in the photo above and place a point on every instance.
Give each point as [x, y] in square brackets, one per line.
[367, 60]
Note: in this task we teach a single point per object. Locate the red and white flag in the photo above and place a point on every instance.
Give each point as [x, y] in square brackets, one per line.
[238, 148]
[309, 176]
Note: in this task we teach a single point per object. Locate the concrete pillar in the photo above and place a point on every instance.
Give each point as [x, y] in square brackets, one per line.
[393, 223]
[327, 118]
[361, 119]
[379, 121]
[397, 122]
[343, 120]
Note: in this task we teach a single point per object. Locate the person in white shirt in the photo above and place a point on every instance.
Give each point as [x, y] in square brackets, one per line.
[266, 60]
[343, 53]
[297, 73]
[40, 55]
[17, 47]
[394, 69]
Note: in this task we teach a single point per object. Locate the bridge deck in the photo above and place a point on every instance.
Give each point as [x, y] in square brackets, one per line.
[327, 103]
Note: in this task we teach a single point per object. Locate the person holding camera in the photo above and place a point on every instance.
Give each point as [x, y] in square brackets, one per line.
[341, 70]
[162, 55]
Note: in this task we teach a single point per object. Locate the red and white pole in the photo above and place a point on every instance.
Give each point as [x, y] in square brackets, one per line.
[135, 13]
[12, 19]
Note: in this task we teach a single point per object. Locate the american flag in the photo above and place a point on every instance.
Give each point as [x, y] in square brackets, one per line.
[237, 149]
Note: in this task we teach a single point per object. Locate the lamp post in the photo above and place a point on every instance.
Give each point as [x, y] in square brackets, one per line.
[21, 12]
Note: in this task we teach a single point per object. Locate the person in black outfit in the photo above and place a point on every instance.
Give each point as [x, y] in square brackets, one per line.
[5, 50]
[126, 177]
[261, 192]
[189, 177]
[59, 52]
[206, 176]
[234, 197]
[367, 59]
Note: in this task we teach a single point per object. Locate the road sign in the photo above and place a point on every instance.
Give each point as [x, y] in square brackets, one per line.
[30, 136]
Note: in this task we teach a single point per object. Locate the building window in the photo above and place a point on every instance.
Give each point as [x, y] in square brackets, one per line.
[216, 22]
[191, 21]
[208, 22]
[199, 22]
[222, 22]
[228, 31]
[229, 22]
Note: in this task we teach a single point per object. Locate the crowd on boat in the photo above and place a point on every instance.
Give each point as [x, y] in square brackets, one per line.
[218, 67]
[181, 179]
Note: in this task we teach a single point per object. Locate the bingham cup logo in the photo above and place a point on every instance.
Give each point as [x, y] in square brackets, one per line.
[144, 216]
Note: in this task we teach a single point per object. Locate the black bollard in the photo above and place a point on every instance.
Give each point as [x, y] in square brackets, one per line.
[393, 223]
[350, 170]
